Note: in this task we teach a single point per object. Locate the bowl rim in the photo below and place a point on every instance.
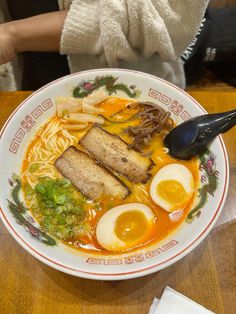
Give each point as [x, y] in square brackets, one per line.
[129, 274]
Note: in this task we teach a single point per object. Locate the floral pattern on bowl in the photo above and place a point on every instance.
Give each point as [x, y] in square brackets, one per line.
[109, 82]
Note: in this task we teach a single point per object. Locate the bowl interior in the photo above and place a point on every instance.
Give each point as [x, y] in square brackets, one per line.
[39, 107]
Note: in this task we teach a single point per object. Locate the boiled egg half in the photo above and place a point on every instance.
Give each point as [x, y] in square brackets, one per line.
[172, 187]
[125, 226]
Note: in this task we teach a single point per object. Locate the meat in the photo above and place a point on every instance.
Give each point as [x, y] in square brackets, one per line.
[88, 177]
[114, 154]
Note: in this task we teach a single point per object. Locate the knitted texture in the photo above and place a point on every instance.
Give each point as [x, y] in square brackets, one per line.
[147, 35]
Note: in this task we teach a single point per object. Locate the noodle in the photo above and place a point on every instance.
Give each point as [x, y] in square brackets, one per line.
[50, 142]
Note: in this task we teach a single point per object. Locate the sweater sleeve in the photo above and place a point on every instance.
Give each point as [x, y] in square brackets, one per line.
[81, 33]
[126, 29]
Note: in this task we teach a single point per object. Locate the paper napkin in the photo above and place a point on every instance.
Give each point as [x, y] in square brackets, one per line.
[173, 302]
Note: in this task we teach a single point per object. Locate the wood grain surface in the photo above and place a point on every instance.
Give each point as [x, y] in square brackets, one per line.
[207, 275]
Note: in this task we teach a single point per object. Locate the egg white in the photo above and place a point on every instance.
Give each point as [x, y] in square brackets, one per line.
[175, 172]
[105, 231]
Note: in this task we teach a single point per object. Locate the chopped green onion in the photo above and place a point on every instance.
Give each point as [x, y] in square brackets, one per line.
[61, 208]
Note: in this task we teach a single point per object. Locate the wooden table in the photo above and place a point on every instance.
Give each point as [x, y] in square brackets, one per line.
[206, 275]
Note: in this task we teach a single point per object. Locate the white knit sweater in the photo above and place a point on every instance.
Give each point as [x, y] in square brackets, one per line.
[145, 35]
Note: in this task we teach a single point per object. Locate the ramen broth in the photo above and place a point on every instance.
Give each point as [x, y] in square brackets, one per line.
[52, 140]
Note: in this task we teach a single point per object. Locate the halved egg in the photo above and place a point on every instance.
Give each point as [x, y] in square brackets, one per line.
[172, 187]
[125, 226]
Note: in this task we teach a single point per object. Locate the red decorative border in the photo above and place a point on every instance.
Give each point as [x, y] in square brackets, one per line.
[185, 115]
[37, 112]
[173, 105]
[27, 123]
[137, 258]
[47, 104]
[14, 146]
[20, 133]
[130, 274]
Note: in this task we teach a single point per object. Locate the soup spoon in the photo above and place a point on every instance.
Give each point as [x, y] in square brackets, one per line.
[193, 136]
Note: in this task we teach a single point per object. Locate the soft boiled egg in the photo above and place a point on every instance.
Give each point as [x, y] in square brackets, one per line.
[125, 226]
[172, 187]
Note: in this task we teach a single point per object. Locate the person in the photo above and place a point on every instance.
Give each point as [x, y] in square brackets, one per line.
[145, 35]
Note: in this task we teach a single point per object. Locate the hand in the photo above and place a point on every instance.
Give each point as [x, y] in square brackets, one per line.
[8, 49]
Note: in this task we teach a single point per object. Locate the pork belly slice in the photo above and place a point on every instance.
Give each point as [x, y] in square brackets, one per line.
[115, 154]
[89, 177]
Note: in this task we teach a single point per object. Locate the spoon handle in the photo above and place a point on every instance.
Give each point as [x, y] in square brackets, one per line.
[228, 121]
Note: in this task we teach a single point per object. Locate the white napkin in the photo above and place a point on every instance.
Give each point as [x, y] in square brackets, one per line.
[173, 302]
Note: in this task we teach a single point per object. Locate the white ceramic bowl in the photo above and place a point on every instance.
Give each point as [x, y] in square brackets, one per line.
[38, 108]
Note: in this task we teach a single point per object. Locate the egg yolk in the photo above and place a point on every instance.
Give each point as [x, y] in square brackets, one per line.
[172, 192]
[131, 225]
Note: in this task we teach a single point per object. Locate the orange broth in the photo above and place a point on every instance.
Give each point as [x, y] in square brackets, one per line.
[163, 226]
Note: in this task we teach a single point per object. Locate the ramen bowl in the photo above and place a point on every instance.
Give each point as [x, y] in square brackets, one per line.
[37, 109]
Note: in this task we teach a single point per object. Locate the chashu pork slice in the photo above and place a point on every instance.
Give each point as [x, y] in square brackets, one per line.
[89, 177]
[115, 154]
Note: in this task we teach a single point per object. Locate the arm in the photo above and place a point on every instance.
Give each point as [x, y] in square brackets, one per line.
[38, 33]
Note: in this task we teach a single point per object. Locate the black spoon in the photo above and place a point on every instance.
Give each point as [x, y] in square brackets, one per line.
[192, 137]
